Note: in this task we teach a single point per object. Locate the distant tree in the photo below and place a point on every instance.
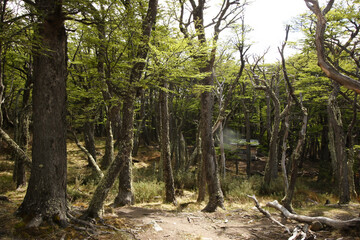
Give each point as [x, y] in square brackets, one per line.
[45, 199]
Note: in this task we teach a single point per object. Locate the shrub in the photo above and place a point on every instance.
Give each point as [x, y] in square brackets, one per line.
[148, 191]
[185, 180]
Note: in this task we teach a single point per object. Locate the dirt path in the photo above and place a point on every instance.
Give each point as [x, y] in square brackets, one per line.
[239, 224]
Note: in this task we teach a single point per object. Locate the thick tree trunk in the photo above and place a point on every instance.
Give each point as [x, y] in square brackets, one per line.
[45, 198]
[165, 148]
[125, 195]
[337, 147]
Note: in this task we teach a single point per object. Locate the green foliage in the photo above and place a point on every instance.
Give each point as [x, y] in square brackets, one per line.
[148, 191]
[236, 188]
[6, 182]
[185, 180]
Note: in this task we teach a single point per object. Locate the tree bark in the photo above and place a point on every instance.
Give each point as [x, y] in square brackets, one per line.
[45, 198]
[125, 195]
[165, 147]
[109, 155]
[89, 139]
[22, 134]
[337, 148]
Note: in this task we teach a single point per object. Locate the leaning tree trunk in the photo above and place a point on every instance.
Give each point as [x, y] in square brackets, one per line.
[45, 198]
[95, 208]
[165, 147]
[337, 147]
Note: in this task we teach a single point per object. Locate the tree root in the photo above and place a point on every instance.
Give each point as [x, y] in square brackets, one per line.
[91, 228]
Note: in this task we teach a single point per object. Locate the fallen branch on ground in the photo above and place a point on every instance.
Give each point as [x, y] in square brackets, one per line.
[299, 232]
[334, 223]
[267, 214]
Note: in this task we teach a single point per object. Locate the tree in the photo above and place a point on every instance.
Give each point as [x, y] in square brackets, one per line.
[335, 50]
[227, 15]
[123, 158]
[45, 199]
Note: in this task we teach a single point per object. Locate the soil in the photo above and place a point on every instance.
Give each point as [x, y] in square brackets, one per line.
[149, 224]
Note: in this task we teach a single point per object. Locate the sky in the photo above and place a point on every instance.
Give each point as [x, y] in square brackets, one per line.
[268, 19]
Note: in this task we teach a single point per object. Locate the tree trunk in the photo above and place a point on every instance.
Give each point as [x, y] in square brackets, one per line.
[222, 151]
[216, 198]
[295, 158]
[338, 148]
[165, 147]
[271, 169]
[95, 208]
[351, 151]
[2, 87]
[201, 179]
[45, 198]
[248, 145]
[125, 195]
[109, 156]
[22, 135]
[89, 139]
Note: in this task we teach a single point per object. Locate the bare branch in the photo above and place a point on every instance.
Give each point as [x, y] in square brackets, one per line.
[324, 64]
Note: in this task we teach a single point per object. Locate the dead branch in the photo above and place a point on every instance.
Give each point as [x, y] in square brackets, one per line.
[267, 214]
[15, 147]
[324, 64]
[334, 223]
[91, 158]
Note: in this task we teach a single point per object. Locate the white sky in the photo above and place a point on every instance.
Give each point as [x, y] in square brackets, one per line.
[268, 19]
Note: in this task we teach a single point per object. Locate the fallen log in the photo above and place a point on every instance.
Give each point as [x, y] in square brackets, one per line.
[334, 223]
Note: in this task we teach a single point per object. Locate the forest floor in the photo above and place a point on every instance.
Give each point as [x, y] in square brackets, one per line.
[155, 220]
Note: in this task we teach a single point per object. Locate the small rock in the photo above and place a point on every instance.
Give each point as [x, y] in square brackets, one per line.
[316, 226]
[156, 226]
